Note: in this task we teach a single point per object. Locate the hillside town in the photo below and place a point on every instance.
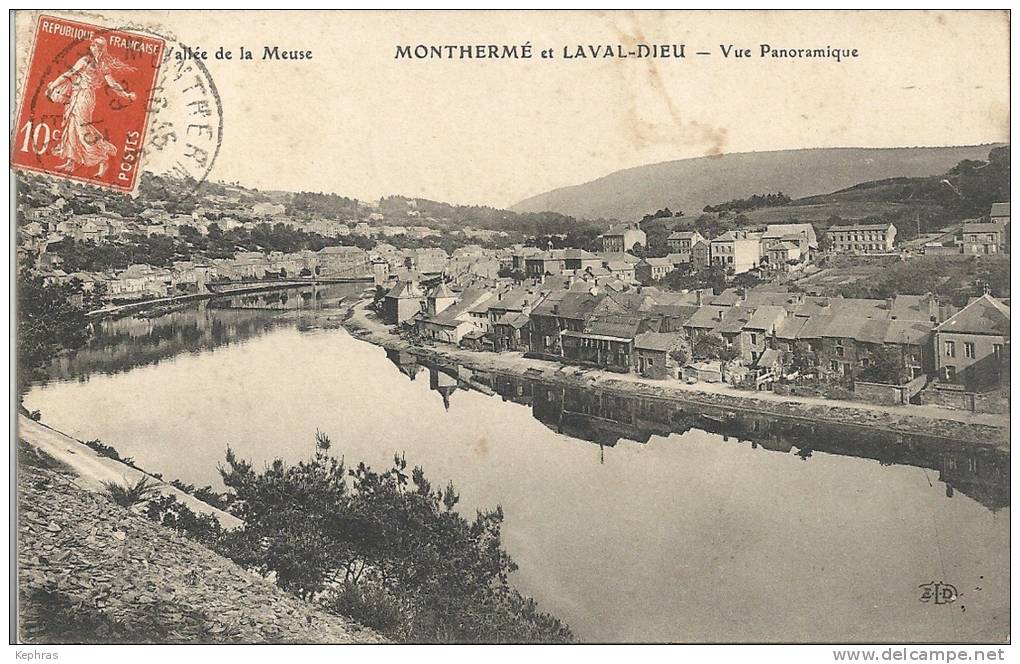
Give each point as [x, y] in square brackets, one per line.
[763, 323]
[609, 311]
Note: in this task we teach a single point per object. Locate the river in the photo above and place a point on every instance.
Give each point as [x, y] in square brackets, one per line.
[630, 519]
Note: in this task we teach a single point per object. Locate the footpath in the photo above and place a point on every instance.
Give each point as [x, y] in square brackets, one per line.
[986, 429]
[94, 470]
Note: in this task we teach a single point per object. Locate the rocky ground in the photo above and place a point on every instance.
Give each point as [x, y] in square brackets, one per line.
[91, 571]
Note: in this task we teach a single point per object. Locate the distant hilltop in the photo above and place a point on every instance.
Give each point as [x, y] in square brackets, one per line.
[691, 184]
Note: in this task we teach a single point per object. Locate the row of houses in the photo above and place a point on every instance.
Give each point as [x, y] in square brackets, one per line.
[781, 246]
[760, 333]
[141, 281]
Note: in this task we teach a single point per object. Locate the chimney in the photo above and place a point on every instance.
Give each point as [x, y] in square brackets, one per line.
[556, 309]
[699, 296]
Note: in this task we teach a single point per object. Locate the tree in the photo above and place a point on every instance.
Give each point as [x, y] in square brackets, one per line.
[680, 355]
[381, 544]
[804, 359]
[886, 367]
[48, 323]
[708, 346]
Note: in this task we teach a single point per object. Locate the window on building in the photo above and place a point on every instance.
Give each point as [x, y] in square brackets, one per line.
[949, 372]
[968, 349]
[950, 349]
[754, 339]
[834, 365]
[997, 351]
[840, 351]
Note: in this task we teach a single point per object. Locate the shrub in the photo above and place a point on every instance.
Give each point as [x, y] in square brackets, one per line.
[129, 495]
[369, 604]
[366, 542]
[172, 513]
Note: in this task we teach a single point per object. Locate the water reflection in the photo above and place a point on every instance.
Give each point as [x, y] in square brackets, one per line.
[606, 418]
[122, 344]
[697, 525]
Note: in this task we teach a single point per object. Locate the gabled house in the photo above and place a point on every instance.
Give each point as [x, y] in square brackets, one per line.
[653, 354]
[652, 269]
[606, 341]
[623, 237]
[560, 311]
[970, 345]
[403, 302]
[455, 321]
[983, 238]
[760, 327]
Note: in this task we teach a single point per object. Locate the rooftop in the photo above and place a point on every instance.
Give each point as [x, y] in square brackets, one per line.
[985, 315]
[660, 341]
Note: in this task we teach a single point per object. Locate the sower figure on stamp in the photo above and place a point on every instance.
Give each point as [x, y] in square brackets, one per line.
[80, 142]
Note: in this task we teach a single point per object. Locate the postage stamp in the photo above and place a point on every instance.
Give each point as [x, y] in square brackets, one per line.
[84, 105]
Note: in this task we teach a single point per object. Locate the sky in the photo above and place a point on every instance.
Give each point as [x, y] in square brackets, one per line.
[358, 121]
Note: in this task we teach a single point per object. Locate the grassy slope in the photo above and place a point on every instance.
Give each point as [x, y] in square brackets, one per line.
[690, 184]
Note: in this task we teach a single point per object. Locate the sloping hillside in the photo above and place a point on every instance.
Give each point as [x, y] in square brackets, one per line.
[90, 571]
[690, 184]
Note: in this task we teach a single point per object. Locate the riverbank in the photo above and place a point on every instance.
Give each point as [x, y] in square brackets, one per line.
[91, 571]
[240, 289]
[972, 428]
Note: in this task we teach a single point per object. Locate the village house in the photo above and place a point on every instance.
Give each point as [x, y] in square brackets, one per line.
[432, 260]
[681, 244]
[343, 262]
[739, 251]
[971, 344]
[190, 277]
[999, 213]
[510, 332]
[138, 282]
[559, 261]
[983, 238]
[454, 322]
[756, 333]
[782, 254]
[701, 254]
[652, 269]
[403, 302]
[704, 321]
[622, 270]
[862, 238]
[801, 235]
[606, 341]
[560, 311]
[623, 237]
[652, 354]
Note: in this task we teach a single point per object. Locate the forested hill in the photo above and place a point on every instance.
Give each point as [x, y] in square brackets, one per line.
[691, 184]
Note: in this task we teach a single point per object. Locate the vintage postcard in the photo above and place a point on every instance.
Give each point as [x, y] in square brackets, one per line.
[416, 327]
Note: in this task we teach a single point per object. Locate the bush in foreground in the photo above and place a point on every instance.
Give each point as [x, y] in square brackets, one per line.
[383, 548]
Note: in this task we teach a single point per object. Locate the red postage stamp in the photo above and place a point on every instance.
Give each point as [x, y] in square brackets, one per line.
[85, 102]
